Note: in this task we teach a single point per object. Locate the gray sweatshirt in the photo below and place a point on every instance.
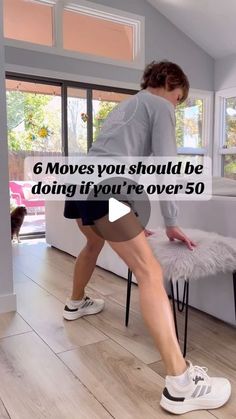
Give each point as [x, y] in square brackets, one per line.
[140, 126]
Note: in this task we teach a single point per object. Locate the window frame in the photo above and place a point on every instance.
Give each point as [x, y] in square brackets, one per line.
[219, 130]
[207, 125]
[96, 10]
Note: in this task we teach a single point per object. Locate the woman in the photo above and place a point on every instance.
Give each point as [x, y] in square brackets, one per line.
[142, 125]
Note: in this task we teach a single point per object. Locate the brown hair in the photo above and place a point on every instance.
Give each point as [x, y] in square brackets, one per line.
[165, 74]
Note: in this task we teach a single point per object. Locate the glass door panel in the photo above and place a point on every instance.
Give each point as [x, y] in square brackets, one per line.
[77, 121]
[34, 128]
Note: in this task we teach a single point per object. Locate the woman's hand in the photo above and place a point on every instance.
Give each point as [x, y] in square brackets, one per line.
[174, 233]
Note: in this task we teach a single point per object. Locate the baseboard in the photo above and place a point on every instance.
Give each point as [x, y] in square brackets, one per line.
[7, 303]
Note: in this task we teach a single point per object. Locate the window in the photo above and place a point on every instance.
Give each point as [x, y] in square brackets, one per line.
[229, 160]
[29, 21]
[225, 139]
[97, 36]
[230, 122]
[193, 133]
[33, 117]
[84, 30]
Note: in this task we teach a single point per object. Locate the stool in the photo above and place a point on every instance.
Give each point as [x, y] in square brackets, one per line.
[214, 254]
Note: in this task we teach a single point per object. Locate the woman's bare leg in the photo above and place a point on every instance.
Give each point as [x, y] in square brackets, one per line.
[86, 261]
[154, 302]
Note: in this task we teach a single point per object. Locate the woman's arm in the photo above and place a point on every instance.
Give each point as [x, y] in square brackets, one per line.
[164, 144]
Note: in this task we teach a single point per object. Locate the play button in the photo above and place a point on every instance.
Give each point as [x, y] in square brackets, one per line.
[124, 216]
[117, 210]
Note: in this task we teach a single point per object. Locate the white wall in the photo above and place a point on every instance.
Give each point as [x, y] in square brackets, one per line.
[162, 39]
[7, 297]
[225, 72]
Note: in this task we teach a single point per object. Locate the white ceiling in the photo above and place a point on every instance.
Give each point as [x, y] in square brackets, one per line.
[209, 23]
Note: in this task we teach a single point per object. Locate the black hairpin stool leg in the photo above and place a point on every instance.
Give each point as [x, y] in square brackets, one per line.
[234, 283]
[174, 309]
[129, 283]
[181, 306]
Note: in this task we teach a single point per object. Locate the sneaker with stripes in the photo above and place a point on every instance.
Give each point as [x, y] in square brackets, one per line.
[200, 392]
[75, 309]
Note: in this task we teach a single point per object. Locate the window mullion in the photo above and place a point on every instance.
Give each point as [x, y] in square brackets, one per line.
[221, 135]
[217, 135]
[193, 151]
[58, 25]
[64, 119]
[208, 125]
[222, 154]
[90, 118]
[223, 125]
[231, 150]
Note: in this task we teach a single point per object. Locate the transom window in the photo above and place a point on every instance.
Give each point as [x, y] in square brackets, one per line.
[77, 29]
[94, 35]
[29, 21]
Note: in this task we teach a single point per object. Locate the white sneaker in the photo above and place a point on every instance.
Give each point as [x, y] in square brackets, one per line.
[202, 392]
[73, 310]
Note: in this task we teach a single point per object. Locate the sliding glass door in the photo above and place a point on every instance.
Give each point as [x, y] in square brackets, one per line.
[47, 118]
[34, 126]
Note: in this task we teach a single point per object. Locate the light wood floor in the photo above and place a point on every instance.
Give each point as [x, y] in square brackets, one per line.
[93, 367]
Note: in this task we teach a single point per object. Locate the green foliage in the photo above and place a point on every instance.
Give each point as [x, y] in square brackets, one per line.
[15, 109]
[26, 114]
[19, 141]
[230, 166]
[103, 111]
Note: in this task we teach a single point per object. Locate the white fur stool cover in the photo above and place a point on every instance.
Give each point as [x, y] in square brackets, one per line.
[214, 253]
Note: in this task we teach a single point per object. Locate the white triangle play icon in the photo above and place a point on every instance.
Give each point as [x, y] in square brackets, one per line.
[117, 210]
